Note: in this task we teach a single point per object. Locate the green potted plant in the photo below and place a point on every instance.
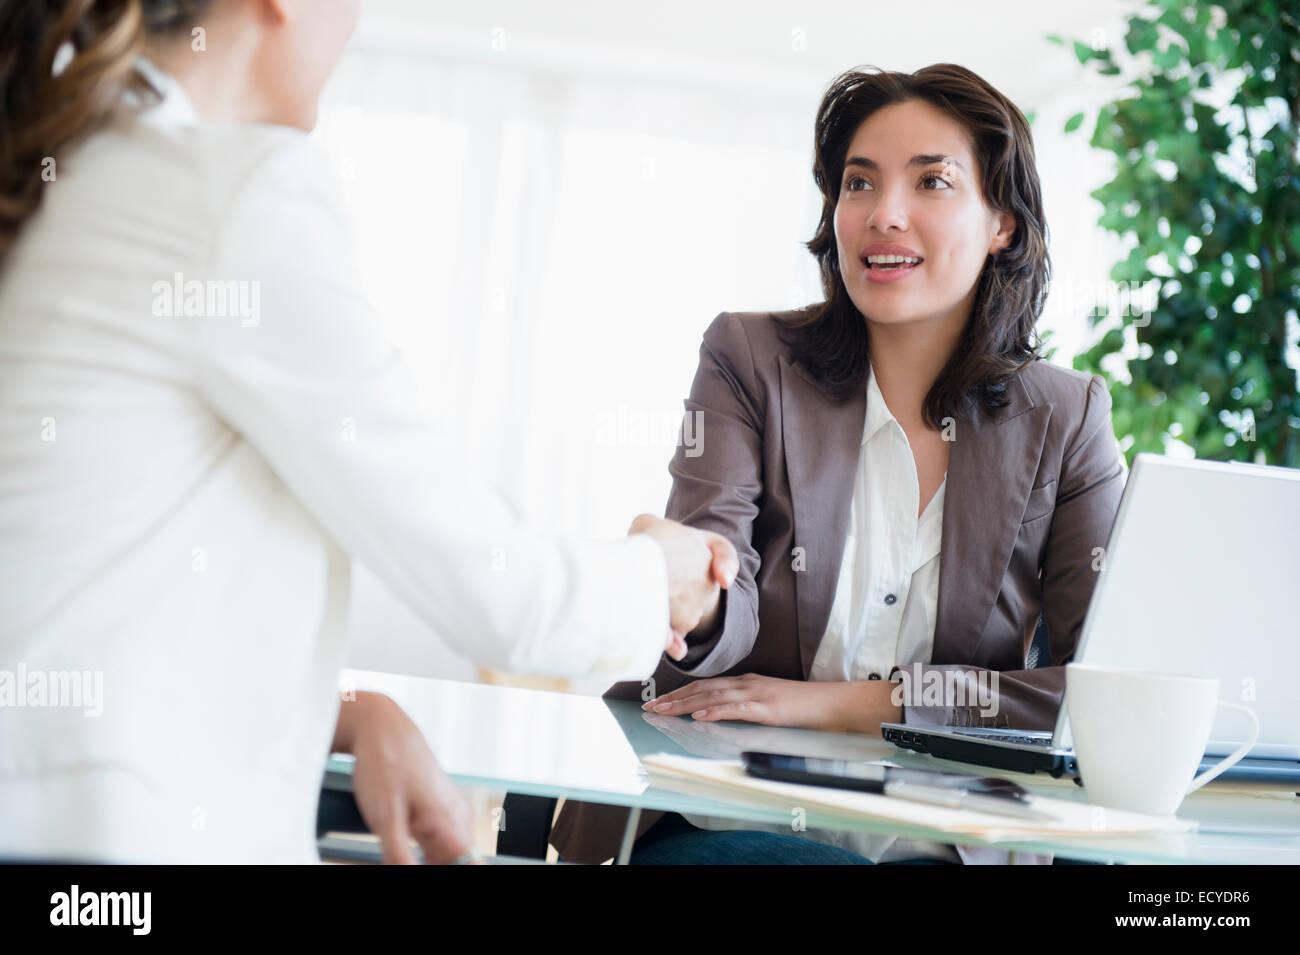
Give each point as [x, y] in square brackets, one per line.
[1208, 184]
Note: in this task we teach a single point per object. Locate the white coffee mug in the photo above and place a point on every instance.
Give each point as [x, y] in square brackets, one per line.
[1139, 736]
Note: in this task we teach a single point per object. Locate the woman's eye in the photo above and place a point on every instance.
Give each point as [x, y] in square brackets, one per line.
[853, 183]
[938, 178]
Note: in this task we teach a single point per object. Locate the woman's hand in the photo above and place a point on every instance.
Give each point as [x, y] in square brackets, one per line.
[400, 789]
[700, 564]
[833, 707]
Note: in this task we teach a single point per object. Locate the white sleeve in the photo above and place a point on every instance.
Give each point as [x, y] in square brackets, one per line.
[307, 378]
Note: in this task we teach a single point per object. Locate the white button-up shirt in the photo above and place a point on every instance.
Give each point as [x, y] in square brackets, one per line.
[887, 594]
[200, 423]
[888, 590]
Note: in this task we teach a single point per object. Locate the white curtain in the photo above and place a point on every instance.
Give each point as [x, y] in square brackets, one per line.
[548, 248]
[548, 245]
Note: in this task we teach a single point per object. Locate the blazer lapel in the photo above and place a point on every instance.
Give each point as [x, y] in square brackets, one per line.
[991, 468]
[822, 442]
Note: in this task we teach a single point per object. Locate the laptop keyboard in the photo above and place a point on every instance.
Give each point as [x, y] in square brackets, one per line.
[1009, 738]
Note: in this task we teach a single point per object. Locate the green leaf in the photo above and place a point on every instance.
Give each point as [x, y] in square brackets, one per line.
[1170, 58]
[1141, 36]
[1226, 362]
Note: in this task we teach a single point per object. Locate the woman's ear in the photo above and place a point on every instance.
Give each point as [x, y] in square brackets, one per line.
[1006, 231]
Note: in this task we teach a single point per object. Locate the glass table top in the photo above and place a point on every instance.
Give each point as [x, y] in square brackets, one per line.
[542, 743]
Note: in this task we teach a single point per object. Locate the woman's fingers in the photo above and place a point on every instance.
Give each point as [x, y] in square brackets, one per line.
[438, 843]
[695, 701]
[692, 591]
[443, 829]
[395, 835]
[726, 563]
[695, 686]
[641, 524]
[675, 707]
[401, 791]
[749, 710]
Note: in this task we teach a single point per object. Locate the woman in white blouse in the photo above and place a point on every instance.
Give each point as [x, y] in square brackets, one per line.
[200, 424]
[907, 484]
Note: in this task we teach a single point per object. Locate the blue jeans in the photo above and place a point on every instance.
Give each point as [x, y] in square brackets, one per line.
[674, 841]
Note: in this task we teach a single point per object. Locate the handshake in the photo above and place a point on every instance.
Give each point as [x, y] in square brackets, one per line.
[700, 564]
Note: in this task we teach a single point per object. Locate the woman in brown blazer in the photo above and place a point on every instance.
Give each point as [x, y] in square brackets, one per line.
[935, 166]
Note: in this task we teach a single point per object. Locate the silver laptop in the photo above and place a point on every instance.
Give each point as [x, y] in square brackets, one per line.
[1200, 577]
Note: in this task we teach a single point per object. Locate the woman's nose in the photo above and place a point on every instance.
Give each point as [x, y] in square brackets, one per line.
[889, 212]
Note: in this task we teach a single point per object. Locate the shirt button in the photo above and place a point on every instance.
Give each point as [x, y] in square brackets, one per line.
[874, 676]
[890, 599]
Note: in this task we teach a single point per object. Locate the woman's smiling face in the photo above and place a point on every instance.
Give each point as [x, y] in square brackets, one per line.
[911, 181]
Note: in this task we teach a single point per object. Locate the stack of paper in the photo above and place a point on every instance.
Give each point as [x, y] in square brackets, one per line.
[727, 779]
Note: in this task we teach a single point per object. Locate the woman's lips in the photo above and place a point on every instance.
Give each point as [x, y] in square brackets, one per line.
[885, 276]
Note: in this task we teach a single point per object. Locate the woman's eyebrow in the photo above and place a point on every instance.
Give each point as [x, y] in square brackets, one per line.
[922, 159]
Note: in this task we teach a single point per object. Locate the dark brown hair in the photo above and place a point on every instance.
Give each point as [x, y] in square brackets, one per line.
[830, 339]
[41, 113]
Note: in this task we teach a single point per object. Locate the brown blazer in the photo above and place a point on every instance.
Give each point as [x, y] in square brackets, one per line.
[1032, 492]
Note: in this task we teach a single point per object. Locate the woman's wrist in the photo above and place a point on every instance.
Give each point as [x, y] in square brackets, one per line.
[353, 714]
[711, 620]
[865, 704]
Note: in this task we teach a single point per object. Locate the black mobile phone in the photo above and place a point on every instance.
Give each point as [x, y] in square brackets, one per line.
[869, 777]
